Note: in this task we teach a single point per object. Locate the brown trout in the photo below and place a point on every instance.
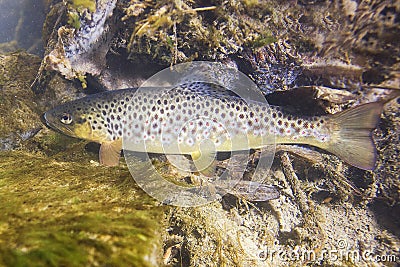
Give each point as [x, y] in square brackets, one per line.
[178, 120]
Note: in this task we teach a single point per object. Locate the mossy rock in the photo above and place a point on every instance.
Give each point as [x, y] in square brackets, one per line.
[58, 208]
[58, 213]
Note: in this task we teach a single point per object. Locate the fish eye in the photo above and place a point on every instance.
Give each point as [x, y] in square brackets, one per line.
[66, 118]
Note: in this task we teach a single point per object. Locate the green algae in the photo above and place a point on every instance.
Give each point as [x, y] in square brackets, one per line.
[176, 31]
[64, 213]
[17, 106]
[80, 4]
[73, 19]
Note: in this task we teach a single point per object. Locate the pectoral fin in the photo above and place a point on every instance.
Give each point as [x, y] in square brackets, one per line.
[110, 152]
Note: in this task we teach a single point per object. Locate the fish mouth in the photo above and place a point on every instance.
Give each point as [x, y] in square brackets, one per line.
[44, 120]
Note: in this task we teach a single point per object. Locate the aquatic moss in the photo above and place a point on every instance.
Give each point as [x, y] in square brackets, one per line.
[19, 111]
[57, 213]
[80, 4]
[263, 41]
[176, 31]
[73, 19]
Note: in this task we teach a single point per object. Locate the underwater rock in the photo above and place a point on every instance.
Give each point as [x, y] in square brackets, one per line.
[64, 213]
[58, 208]
[81, 46]
[19, 111]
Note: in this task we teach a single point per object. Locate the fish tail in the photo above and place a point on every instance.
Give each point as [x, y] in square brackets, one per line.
[352, 135]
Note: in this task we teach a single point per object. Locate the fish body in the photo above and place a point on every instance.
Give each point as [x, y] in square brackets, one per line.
[200, 119]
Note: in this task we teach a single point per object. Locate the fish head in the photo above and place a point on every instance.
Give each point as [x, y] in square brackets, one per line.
[72, 119]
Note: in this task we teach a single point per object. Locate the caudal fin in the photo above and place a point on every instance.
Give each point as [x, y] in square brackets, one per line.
[352, 135]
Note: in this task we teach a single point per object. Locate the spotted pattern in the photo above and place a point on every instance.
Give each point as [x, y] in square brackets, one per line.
[190, 113]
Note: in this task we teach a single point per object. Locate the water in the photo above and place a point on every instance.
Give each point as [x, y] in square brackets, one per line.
[21, 21]
[58, 207]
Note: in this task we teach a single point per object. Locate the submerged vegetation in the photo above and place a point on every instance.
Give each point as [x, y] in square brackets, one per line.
[176, 31]
[63, 213]
[58, 209]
